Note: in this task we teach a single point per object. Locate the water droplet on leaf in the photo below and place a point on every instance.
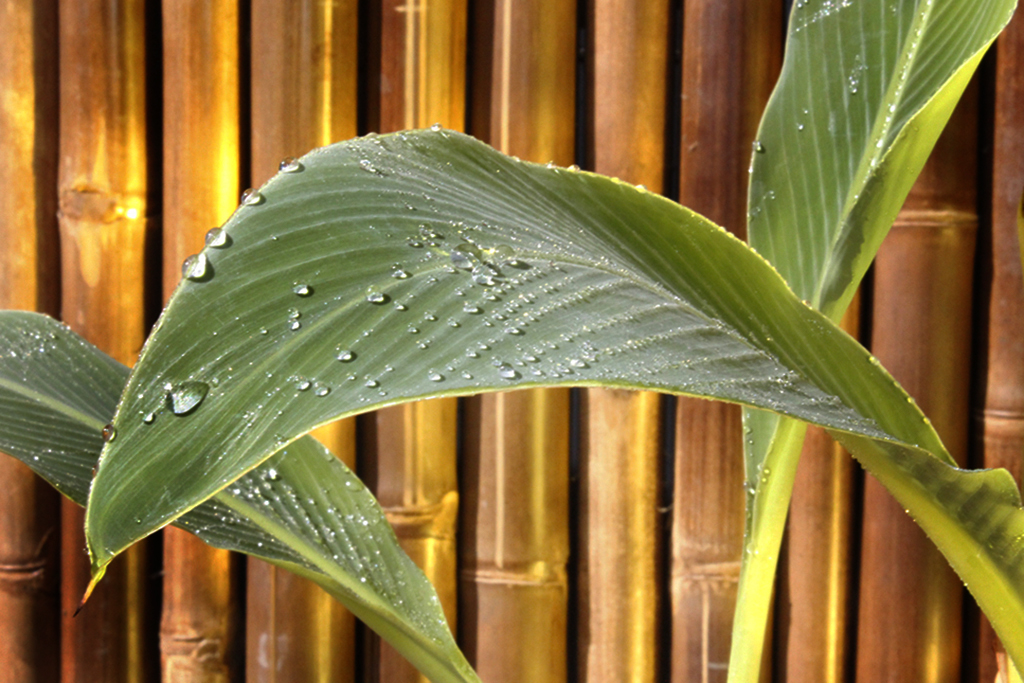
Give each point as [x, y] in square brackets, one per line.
[251, 197]
[194, 267]
[186, 397]
[289, 165]
[216, 238]
[109, 433]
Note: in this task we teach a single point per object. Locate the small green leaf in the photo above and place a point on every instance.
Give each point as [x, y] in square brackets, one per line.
[302, 509]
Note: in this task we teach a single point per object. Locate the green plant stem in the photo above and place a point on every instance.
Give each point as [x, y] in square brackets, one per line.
[766, 522]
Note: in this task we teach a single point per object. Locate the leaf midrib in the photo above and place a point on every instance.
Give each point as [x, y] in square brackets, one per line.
[872, 161]
[51, 403]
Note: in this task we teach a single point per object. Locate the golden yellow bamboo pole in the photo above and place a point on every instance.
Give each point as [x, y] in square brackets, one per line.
[304, 96]
[815, 578]
[620, 530]
[104, 214]
[999, 419]
[909, 619]
[514, 533]
[730, 61]
[418, 74]
[199, 642]
[29, 280]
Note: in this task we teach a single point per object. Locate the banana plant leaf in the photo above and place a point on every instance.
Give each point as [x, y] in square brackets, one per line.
[302, 509]
[839, 146]
[415, 265]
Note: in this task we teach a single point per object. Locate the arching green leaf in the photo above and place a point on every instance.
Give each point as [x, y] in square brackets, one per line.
[424, 264]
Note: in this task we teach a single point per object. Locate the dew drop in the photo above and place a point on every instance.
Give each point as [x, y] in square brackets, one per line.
[435, 376]
[759, 147]
[109, 433]
[471, 308]
[194, 267]
[507, 371]
[216, 238]
[295, 326]
[372, 383]
[303, 384]
[321, 390]
[367, 166]
[148, 418]
[186, 397]
[289, 165]
[302, 290]
[577, 363]
[436, 128]
[251, 197]
[414, 243]
[377, 297]
[399, 273]
[345, 356]
[513, 330]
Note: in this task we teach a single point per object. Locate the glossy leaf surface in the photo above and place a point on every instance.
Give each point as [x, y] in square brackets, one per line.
[424, 264]
[302, 509]
[412, 265]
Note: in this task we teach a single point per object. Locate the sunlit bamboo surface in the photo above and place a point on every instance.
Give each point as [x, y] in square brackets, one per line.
[728, 64]
[306, 56]
[921, 332]
[574, 537]
[29, 280]
[515, 520]
[201, 626]
[104, 215]
[997, 408]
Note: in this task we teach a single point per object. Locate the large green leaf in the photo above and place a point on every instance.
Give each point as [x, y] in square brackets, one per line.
[302, 509]
[866, 88]
[423, 264]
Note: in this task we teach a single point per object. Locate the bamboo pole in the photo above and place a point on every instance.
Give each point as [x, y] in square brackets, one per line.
[730, 62]
[104, 215]
[304, 97]
[418, 72]
[999, 410]
[620, 455]
[815, 581]
[515, 519]
[29, 280]
[198, 639]
[909, 622]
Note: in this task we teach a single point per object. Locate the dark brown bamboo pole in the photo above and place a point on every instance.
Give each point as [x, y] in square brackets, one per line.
[408, 452]
[29, 280]
[999, 408]
[815, 610]
[730, 62]
[620, 526]
[103, 224]
[909, 622]
[514, 533]
[304, 97]
[198, 631]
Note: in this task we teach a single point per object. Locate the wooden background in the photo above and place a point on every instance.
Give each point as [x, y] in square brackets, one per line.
[577, 536]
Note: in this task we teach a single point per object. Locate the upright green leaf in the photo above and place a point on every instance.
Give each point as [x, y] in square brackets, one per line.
[302, 509]
[866, 88]
[423, 264]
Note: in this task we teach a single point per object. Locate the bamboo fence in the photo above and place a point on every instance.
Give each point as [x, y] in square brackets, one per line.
[574, 537]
